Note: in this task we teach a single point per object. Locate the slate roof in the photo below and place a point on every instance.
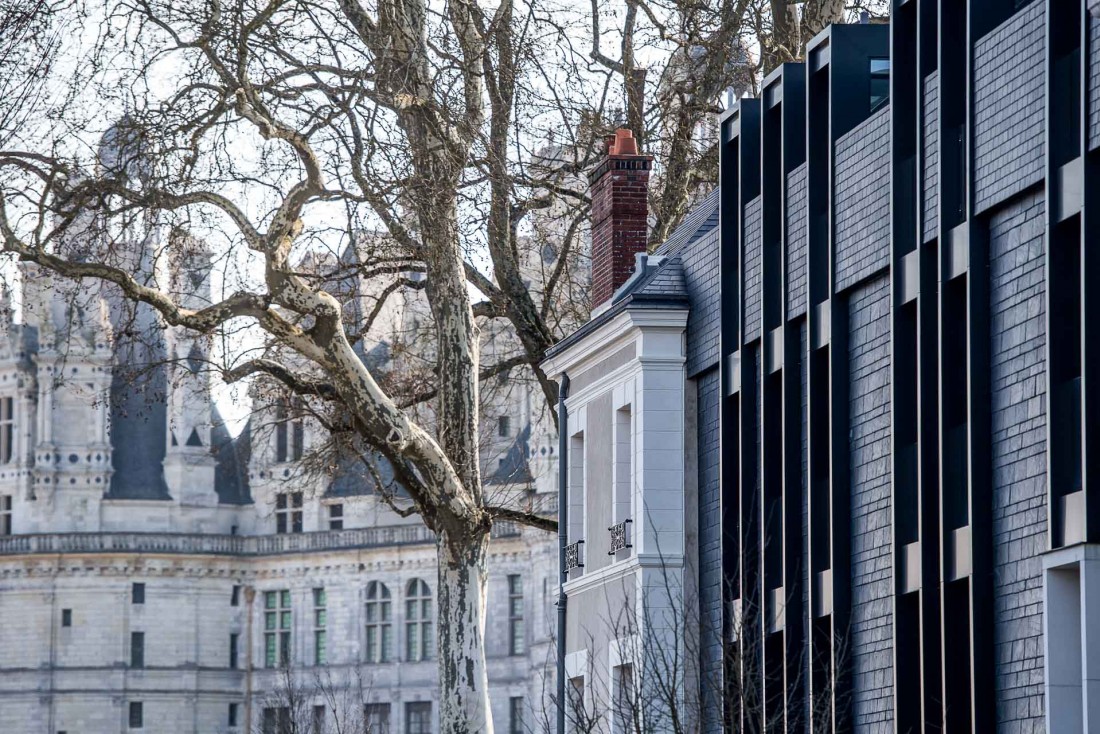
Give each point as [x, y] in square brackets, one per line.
[700, 220]
[231, 455]
[513, 467]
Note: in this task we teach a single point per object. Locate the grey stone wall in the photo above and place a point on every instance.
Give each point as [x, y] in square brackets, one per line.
[862, 206]
[1018, 387]
[931, 156]
[1009, 107]
[1094, 82]
[872, 581]
[710, 546]
[754, 271]
[797, 238]
[703, 277]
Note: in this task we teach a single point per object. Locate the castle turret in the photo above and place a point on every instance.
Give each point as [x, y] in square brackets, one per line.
[72, 377]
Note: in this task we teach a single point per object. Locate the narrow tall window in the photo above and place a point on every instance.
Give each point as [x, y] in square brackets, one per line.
[624, 446]
[288, 512]
[234, 649]
[336, 517]
[234, 715]
[418, 717]
[7, 430]
[576, 487]
[289, 432]
[577, 715]
[320, 620]
[377, 716]
[379, 624]
[626, 702]
[235, 596]
[137, 715]
[517, 630]
[66, 617]
[418, 621]
[137, 649]
[137, 594]
[504, 426]
[277, 625]
[515, 715]
[318, 719]
[5, 514]
[880, 83]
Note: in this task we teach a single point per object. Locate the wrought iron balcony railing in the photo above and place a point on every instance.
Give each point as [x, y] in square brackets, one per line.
[620, 537]
[573, 556]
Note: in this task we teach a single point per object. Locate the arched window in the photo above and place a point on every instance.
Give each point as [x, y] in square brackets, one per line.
[418, 621]
[379, 623]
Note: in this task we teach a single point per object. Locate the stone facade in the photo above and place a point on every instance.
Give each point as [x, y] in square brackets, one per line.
[159, 573]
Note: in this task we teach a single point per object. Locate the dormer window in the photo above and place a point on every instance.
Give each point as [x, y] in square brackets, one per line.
[288, 512]
[289, 432]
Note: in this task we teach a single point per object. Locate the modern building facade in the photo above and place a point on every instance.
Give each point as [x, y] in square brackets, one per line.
[882, 442]
[160, 574]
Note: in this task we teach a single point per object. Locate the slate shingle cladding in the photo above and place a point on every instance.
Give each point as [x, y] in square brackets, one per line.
[1019, 409]
[931, 167]
[1009, 108]
[869, 444]
[710, 544]
[796, 242]
[702, 275]
[862, 214]
[753, 268]
[1094, 83]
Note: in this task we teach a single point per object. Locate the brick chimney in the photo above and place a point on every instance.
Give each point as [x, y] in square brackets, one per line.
[618, 186]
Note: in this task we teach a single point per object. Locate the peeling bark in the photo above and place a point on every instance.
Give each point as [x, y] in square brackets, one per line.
[463, 675]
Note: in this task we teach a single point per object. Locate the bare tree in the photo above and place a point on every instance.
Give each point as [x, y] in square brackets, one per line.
[406, 132]
[315, 702]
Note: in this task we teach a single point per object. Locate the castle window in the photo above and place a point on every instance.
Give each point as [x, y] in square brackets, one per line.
[235, 596]
[137, 649]
[418, 717]
[277, 625]
[418, 621]
[137, 715]
[517, 630]
[7, 429]
[66, 617]
[290, 432]
[234, 714]
[515, 715]
[378, 718]
[336, 517]
[234, 649]
[137, 594]
[288, 512]
[276, 720]
[320, 620]
[5, 514]
[504, 426]
[379, 625]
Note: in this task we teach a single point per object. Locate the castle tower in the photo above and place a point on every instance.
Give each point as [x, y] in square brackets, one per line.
[133, 241]
[67, 395]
